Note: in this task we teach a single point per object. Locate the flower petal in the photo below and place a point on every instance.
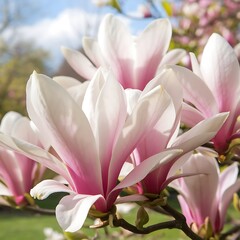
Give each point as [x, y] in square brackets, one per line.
[72, 210]
[190, 115]
[93, 51]
[152, 105]
[151, 45]
[150, 164]
[47, 187]
[223, 74]
[201, 133]
[66, 127]
[173, 57]
[193, 90]
[79, 63]
[116, 45]
[8, 121]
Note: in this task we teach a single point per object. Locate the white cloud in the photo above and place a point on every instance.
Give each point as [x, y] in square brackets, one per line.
[66, 29]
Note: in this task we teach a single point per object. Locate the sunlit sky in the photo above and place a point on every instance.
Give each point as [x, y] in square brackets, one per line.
[52, 24]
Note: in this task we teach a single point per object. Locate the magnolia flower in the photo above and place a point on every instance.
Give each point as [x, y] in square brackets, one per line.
[207, 195]
[164, 135]
[18, 174]
[91, 139]
[134, 60]
[213, 87]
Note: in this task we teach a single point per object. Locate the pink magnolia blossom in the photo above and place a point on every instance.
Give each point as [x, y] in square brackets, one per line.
[206, 195]
[164, 135]
[134, 60]
[92, 135]
[213, 87]
[18, 174]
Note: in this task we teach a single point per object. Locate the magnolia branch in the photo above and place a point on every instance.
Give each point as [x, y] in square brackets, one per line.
[178, 223]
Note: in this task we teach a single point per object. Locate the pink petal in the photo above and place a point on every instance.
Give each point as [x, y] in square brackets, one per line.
[201, 133]
[36, 153]
[190, 115]
[116, 46]
[152, 105]
[72, 210]
[79, 63]
[193, 90]
[147, 166]
[223, 74]
[228, 178]
[226, 199]
[151, 45]
[110, 118]
[66, 127]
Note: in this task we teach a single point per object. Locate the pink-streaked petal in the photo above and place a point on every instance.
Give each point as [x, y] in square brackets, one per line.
[169, 80]
[226, 199]
[201, 133]
[223, 74]
[173, 57]
[194, 89]
[190, 115]
[36, 153]
[227, 178]
[151, 45]
[143, 118]
[110, 118]
[8, 121]
[93, 51]
[185, 210]
[72, 211]
[147, 166]
[116, 45]
[79, 63]
[195, 65]
[200, 190]
[66, 127]
[47, 187]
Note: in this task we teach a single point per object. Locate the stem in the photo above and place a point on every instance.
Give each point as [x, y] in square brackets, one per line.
[40, 210]
[178, 223]
[182, 224]
[233, 230]
[126, 225]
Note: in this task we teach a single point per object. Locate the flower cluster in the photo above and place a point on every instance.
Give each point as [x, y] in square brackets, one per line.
[133, 127]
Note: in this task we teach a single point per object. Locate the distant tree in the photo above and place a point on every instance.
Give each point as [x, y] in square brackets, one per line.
[18, 59]
[16, 64]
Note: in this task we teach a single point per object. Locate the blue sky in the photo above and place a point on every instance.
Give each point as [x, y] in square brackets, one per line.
[56, 23]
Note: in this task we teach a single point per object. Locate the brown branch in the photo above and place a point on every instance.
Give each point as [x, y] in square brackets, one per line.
[233, 230]
[178, 223]
[39, 210]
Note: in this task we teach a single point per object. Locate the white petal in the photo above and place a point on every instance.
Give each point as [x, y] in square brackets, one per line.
[72, 210]
[45, 188]
[79, 63]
